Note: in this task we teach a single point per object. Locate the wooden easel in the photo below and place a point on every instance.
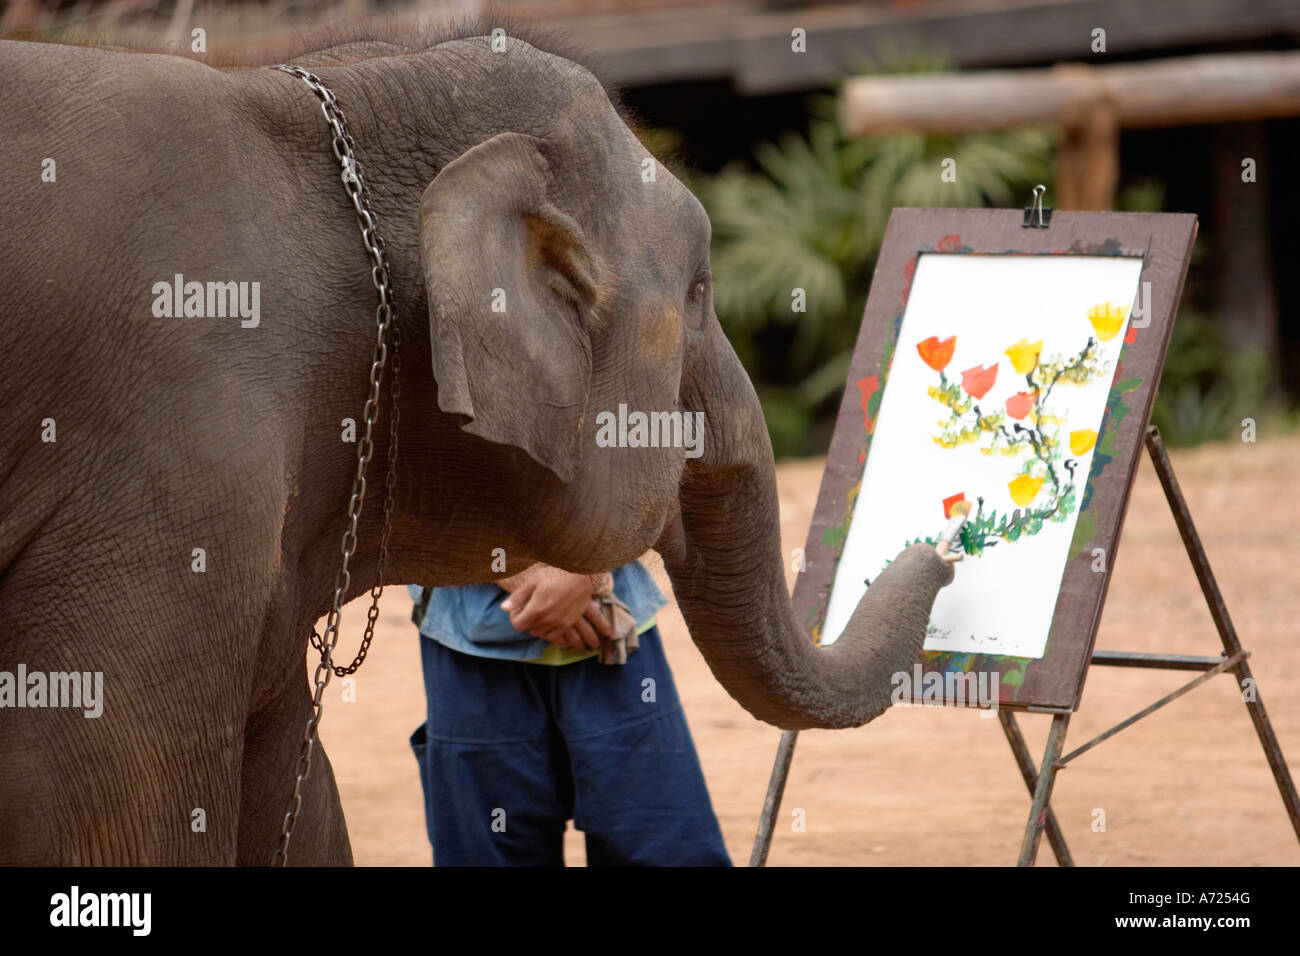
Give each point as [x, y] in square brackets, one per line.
[1040, 782]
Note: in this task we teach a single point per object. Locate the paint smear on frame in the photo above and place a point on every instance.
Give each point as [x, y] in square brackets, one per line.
[995, 398]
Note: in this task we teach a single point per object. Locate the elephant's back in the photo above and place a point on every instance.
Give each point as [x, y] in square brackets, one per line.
[134, 172]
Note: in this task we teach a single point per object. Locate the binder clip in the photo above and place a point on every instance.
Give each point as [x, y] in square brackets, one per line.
[1036, 216]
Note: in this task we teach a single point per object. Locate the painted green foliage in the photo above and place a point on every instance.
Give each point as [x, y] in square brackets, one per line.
[1024, 430]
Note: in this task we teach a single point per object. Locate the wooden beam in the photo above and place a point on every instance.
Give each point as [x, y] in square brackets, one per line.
[1174, 92]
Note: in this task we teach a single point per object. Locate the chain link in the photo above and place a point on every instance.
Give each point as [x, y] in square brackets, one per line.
[385, 354]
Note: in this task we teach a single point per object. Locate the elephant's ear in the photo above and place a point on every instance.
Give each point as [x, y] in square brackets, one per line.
[512, 289]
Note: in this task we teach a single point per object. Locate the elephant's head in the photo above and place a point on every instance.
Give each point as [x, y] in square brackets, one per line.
[568, 287]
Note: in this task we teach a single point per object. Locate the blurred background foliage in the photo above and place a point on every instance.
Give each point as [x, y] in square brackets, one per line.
[808, 211]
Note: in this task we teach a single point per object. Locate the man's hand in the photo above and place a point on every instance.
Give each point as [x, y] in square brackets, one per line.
[585, 632]
[555, 606]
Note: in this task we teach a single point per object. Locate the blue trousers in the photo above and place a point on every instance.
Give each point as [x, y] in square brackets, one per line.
[511, 751]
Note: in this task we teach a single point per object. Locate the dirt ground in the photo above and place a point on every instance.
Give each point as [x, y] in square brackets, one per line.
[937, 787]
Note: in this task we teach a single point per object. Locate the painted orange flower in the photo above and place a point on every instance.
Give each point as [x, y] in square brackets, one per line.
[1107, 318]
[1021, 404]
[977, 381]
[1024, 355]
[935, 353]
[1082, 440]
[1024, 489]
[950, 501]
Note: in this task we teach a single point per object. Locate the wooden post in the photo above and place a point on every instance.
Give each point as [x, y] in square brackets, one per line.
[1100, 157]
[1087, 162]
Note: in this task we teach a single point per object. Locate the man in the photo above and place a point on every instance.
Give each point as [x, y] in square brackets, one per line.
[527, 727]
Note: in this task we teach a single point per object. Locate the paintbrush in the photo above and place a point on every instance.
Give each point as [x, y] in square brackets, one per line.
[957, 516]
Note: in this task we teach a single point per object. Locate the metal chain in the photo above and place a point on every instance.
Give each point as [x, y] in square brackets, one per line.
[354, 184]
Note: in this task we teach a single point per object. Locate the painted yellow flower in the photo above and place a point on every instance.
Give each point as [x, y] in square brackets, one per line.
[1082, 440]
[1024, 356]
[1107, 318]
[1025, 489]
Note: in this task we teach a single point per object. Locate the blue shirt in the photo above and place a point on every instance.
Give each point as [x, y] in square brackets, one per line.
[469, 618]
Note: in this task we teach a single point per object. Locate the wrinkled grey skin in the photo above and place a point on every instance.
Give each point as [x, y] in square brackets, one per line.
[490, 171]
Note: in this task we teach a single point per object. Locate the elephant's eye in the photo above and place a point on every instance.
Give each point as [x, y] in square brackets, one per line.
[699, 290]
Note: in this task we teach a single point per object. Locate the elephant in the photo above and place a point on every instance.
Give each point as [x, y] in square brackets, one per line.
[175, 485]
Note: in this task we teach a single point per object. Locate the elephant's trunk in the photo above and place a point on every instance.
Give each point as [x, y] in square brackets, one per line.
[727, 569]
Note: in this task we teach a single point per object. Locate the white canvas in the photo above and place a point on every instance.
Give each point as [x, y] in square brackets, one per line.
[1001, 601]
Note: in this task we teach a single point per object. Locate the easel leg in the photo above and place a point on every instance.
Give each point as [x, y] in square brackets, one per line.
[1023, 761]
[1272, 750]
[1043, 790]
[1227, 633]
[772, 803]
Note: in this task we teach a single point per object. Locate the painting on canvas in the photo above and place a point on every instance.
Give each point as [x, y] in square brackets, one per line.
[995, 397]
